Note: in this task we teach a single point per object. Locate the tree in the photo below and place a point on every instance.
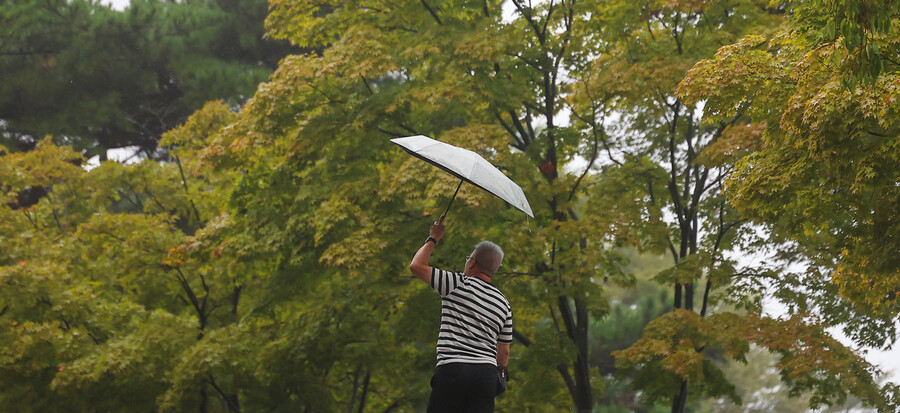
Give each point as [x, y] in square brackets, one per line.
[822, 174]
[394, 69]
[761, 388]
[619, 330]
[96, 78]
[264, 267]
[671, 161]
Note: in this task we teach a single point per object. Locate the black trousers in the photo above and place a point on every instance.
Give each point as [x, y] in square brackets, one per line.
[463, 388]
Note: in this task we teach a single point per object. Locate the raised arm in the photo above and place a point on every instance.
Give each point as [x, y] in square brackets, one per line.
[419, 265]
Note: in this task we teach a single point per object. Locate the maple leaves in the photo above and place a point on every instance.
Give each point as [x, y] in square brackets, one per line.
[672, 348]
[263, 264]
[823, 170]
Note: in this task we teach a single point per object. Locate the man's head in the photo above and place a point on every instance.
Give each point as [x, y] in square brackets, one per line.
[486, 258]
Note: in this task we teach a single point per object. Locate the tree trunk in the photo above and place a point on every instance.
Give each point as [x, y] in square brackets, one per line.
[355, 389]
[679, 403]
[577, 329]
[365, 392]
[204, 407]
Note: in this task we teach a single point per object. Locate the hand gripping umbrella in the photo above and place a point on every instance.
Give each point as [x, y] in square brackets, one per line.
[467, 166]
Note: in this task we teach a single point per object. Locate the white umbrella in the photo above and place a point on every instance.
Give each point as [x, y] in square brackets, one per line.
[467, 166]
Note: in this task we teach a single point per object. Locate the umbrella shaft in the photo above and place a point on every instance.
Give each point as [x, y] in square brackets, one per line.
[451, 201]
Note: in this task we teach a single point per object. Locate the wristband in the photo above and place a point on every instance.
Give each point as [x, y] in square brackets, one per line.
[432, 239]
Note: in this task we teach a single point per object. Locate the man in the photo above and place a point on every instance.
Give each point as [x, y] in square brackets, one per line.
[476, 328]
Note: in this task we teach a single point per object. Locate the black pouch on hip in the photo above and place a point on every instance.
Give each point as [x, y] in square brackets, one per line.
[502, 377]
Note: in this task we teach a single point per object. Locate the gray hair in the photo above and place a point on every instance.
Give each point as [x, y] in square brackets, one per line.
[488, 256]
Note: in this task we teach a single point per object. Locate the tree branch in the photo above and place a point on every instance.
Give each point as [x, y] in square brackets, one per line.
[229, 403]
[366, 83]
[530, 19]
[32, 221]
[566, 312]
[518, 144]
[515, 118]
[195, 302]
[518, 336]
[186, 192]
[433, 13]
[564, 372]
[594, 155]
[547, 18]
[534, 64]
[53, 200]
[390, 133]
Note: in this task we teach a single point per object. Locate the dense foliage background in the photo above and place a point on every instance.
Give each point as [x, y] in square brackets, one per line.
[255, 260]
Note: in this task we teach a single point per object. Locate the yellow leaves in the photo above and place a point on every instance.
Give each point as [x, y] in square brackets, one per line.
[867, 287]
[812, 110]
[675, 341]
[355, 250]
[738, 74]
[813, 360]
[481, 45]
[810, 360]
[157, 337]
[361, 51]
[306, 23]
[331, 213]
[687, 6]
[199, 127]
[695, 266]
[419, 51]
[735, 142]
[684, 360]
[46, 165]
[176, 255]
[405, 177]
[636, 80]
[480, 138]
[192, 142]
[30, 346]
[203, 246]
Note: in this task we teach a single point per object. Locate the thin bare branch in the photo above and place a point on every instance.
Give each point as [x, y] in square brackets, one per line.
[432, 12]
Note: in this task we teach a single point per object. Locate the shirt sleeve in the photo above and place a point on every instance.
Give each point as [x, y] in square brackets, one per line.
[444, 282]
[507, 330]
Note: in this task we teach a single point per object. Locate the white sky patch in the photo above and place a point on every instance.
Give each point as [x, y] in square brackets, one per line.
[509, 12]
[117, 4]
[91, 163]
[127, 155]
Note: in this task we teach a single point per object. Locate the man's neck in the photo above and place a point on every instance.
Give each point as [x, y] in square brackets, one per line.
[483, 277]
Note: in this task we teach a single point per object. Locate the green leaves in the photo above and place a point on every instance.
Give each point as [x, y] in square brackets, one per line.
[674, 347]
[823, 172]
[150, 66]
[264, 265]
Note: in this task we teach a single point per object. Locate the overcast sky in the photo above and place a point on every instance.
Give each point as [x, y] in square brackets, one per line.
[117, 4]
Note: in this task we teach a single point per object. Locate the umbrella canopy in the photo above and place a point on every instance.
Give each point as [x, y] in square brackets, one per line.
[468, 166]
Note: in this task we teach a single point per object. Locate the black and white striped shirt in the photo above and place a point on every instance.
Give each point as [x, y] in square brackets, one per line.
[475, 316]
